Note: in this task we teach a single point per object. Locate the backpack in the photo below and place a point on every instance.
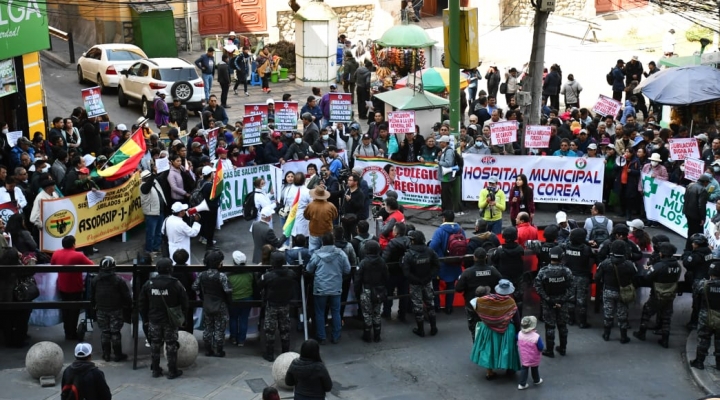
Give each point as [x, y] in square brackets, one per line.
[71, 391]
[459, 161]
[250, 212]
[609, 77]
[599, 232]
[456, 246]
[196, 196]
[361, 245]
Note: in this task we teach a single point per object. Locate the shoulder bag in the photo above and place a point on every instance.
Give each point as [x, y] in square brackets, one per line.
[627, 293]
[176, 317]
[26, 289]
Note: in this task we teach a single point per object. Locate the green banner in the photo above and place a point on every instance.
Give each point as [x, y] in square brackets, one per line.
[23, 28]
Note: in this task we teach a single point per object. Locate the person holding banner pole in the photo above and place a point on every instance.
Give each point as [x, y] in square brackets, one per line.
[446, 162]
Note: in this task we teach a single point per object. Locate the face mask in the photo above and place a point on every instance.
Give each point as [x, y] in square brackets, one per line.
[682, 168]
[289, 134]
[478, 144]
[654, 163]
[716, 168]
[5, 131]
[298, 140]
[656, 147]
[326, 137]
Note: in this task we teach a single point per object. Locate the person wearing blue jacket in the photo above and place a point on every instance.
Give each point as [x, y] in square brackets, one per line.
[449, 272]
[206, 63]
[618, 85]
[629, 109]
[329, 264]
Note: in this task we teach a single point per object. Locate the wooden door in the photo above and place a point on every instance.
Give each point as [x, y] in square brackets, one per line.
[604, 6]
[429, 8]
[251, 16]
[219, 17]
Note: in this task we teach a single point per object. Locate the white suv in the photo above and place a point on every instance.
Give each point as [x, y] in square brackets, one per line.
[143, 79]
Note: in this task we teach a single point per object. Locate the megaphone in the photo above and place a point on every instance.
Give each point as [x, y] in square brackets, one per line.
[199, 208]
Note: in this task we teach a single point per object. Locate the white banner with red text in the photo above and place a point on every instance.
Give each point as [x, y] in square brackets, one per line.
[568, 180]
[417, 184]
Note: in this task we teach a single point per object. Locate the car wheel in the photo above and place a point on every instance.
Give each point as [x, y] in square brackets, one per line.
[81, 79]
[122, 100]
[182, 91]
[100, 83]
[147, 109]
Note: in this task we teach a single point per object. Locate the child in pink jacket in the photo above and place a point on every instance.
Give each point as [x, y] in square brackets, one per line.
[530, 347]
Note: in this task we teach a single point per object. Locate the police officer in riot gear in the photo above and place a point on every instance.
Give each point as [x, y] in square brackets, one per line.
[620, 232]
[554, 285]
[615, 272]
[420, 265]
[480, 274]
[578, 257]
[709, 323]
[110, 294]
[551, 236]
[158, 296]
[664, 276]
[696, 262]
[656, 241]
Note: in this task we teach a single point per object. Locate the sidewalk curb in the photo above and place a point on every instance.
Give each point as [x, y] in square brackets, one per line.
[54, 58]
[703, 378]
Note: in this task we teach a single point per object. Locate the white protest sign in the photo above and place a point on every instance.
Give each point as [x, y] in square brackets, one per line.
[537, 136]
[693, 169]
[13, 137]
[607, 106]
[94, 197]
[401, 122]
[162, 164]
[503, 132]
[683, 148]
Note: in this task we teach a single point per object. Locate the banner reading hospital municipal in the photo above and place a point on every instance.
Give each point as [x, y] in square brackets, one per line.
[239, 182]
[416, 184]
[116, 213]
[664, 204]
[553, 179]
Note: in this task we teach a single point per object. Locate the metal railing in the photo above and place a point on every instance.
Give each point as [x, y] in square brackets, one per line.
[65, 36]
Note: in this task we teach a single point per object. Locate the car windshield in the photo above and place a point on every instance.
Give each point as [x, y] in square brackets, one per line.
[175, 74]
[123, 55]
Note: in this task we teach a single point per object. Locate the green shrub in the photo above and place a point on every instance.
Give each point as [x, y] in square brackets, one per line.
[286, 51]
[697, 32]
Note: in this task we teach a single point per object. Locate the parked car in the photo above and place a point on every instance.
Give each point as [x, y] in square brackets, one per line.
[103, 62]
[144, 78]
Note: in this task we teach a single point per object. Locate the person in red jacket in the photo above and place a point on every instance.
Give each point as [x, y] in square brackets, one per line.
[525, 230]
[70, 284]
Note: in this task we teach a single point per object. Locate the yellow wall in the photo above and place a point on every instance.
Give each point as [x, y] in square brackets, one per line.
[34, 93]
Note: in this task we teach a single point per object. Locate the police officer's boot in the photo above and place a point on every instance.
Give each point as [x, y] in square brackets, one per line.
[664, 341]
[582, 322]
[571, 318]
[366, 334]
[420, 330]
[106, 351]
[285, 345]
[117, 349]
[433, 326]
[640, 334]
[549, 349]
[219, 351]
[698, 362]
[624, 337]
[173, 372]
[563, 345]
[156, 370]
[269, 352]
[606, 333]
[376, 333]
[209, 350]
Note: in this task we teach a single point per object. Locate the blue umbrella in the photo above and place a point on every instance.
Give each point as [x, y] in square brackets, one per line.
[682, 86]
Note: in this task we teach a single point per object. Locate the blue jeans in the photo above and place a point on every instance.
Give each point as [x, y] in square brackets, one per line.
[495, 227]
[314, 243]
[320, 303]
[207, 81]
[239, 321]
[153, 232]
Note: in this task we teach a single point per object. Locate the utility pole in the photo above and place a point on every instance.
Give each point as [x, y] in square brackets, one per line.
[454, 64]
[537, 62]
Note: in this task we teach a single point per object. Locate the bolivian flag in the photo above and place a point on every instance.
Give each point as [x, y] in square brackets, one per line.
[126, 159]
[290, 221]
[217, 185]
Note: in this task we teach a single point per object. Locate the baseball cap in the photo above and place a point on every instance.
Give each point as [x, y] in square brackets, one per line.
[239, 257]
[365, 136]
[333, 86]
[145, 174]
[121, 127]
[444, 139]
[635, 224]
[702, 137]
[560, 217]
[83, 350]
[178, 206]
[592, 146]
[89, 159]
[270, 101]
[221, 150]
[276, 134]
[493, 179]
[267, 211]
[207, 170]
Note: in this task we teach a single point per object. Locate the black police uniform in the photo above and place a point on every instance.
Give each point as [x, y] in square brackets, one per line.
[554, 285]
[663, 276]
[579, 259]
[697, 263]
[709, 293]
[478, 275]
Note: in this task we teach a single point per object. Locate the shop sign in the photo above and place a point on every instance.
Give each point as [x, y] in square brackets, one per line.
[23, 28]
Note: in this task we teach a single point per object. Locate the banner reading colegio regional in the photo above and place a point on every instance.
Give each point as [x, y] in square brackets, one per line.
[239, 182]
[119, 211]
[416, 184]
[553, 179]
[664, 204]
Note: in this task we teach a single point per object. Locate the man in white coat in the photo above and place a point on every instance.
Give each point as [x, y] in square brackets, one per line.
[47, 193]
[178, 232]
